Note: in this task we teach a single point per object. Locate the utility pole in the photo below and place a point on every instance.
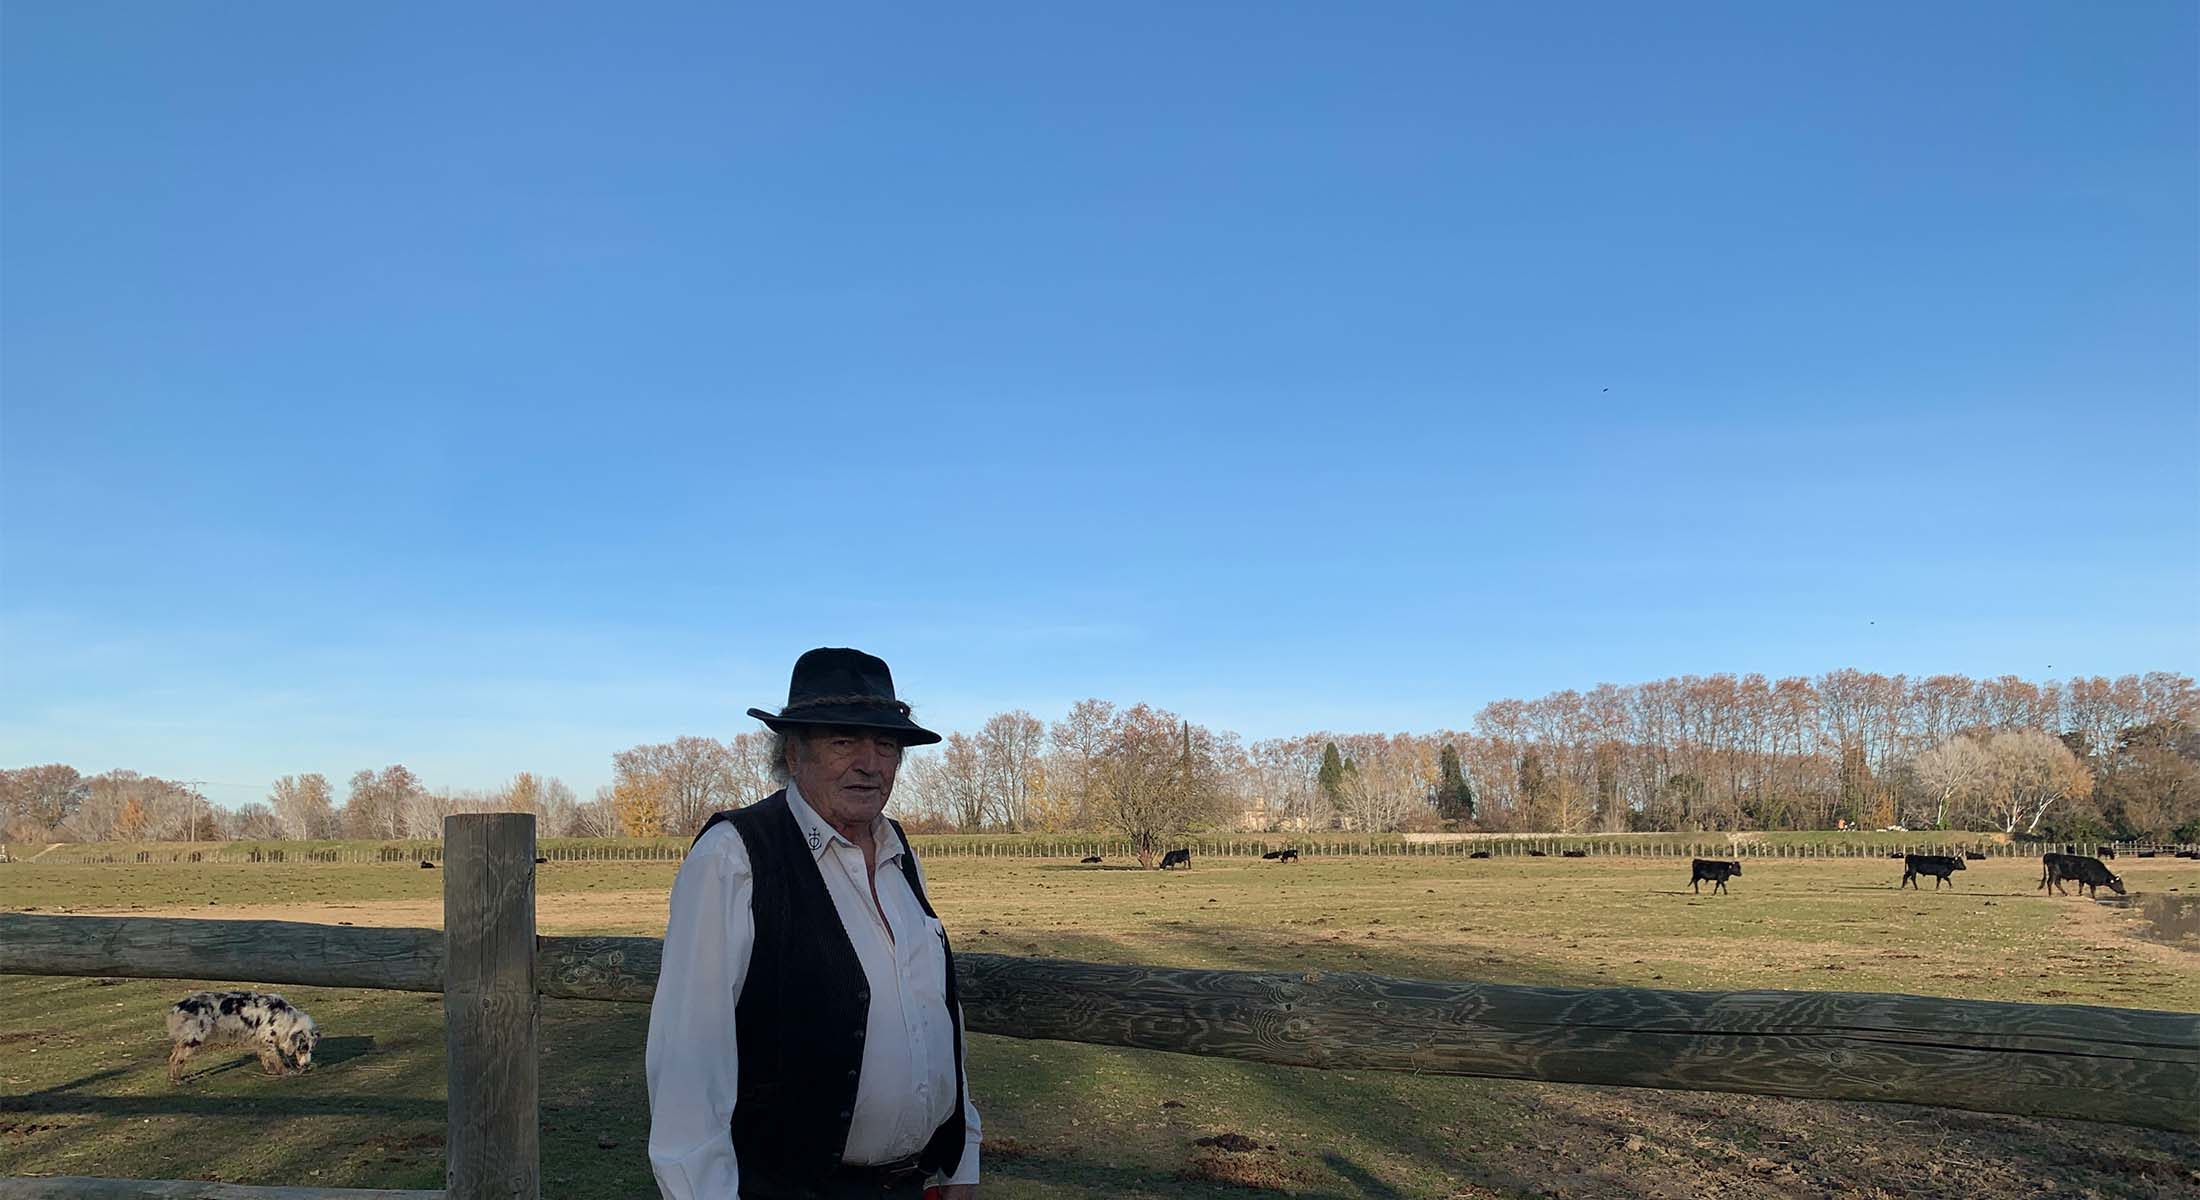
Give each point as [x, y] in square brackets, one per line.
[191, 794]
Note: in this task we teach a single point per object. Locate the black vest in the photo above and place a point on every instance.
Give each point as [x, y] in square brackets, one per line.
[804, 1010]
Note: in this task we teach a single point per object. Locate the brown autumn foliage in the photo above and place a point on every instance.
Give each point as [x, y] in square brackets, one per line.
[1709, 752]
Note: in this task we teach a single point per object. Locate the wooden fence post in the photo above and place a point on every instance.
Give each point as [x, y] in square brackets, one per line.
[491, 1012]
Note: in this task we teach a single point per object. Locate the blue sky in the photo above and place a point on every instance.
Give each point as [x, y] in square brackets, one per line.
[494, 389]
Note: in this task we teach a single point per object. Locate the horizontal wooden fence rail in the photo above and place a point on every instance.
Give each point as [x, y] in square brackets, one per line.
[2093, 1063]
[1312, 845]
[73, 1187]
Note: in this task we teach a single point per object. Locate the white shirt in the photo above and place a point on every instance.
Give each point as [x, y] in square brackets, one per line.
[908, 1082]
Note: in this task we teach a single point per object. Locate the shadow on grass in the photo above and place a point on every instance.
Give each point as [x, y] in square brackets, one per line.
[336, 1051]
[72, 1085]
[1370, 1186]
[1068, 1175]
[182, 1103]
[1342, 946]
[213, 1068]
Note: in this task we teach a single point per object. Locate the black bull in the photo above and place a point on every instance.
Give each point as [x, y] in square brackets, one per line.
[1939, 866]
[2086, 872]
[1716, 871]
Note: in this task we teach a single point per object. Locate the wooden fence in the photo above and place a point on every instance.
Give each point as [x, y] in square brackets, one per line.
[1664, 846]
[2053, 1060]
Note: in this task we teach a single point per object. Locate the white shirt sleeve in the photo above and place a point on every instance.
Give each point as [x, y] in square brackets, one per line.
[691, 1061]
[966, 1171]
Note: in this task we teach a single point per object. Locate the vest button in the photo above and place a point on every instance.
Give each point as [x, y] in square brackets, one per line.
[846, 1113]
[855, 1073]
[859, 1035]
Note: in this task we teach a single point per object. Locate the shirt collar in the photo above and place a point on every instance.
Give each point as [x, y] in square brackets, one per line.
[819, 834]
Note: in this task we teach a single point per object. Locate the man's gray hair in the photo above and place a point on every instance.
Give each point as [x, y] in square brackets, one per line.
[778, 751]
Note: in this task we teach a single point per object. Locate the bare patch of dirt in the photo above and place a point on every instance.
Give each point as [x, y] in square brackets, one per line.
[24, 1129]
[1257, 1172]
[1682, 1146]
[418, 1141]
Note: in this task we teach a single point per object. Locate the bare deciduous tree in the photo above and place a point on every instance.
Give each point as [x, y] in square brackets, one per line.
[1954, 776]
[2032, 772]
[37, 800]
[304, 807]
[1010, 776]
[684, 780]
[962, 782]
[597, 818]
[1156, 779]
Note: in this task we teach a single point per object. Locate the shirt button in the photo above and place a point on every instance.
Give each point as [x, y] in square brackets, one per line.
[854, 1074]
[846, 1113]
[859, 1035]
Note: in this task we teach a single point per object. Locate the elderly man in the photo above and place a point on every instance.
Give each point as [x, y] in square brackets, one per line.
[805, 1040]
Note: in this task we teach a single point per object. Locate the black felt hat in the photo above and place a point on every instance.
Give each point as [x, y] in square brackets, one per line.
[833, 685]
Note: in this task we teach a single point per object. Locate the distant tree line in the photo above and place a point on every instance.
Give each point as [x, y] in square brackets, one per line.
[55, 803]
[2088, 757]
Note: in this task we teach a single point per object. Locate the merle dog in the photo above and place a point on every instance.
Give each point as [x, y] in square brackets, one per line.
[282, 1034]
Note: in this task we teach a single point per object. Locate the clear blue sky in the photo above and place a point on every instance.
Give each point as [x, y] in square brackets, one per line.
[489, 389]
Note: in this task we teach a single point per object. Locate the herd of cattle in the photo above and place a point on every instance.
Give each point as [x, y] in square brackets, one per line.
[2056, 869]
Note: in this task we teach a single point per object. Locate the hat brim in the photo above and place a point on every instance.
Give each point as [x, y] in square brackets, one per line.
[852, 717]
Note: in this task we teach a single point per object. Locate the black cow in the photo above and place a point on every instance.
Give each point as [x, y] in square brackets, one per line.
[425, 865]
[1714, 870]
[1939, 866]
[2057, 869]
[1288, 856]
[1573, 854]
[2108, 852]
[1089, 858]
[1176, 858]
[1973, 856]
[1479, 854]
[1537, 854]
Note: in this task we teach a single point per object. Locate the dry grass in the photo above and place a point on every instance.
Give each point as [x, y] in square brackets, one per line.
[81, 1086]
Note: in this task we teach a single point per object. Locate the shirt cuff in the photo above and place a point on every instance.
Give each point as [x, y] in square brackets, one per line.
[704, 1173]
[966, 1171]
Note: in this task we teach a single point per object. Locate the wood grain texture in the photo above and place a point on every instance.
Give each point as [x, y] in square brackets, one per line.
[265, 952]
[2092, 1063]
[492, 1013]
[600, 968]
[76, 1187]
[2103, 1064]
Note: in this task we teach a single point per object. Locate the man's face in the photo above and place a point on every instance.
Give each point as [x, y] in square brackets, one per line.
[845, 774]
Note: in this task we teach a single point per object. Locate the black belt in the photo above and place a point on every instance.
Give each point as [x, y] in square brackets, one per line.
[884, 1175]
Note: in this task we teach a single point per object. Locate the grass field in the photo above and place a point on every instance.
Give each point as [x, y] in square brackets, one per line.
[83, 1087]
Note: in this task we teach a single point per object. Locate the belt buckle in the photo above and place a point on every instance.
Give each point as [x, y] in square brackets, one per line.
[895, 1172]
